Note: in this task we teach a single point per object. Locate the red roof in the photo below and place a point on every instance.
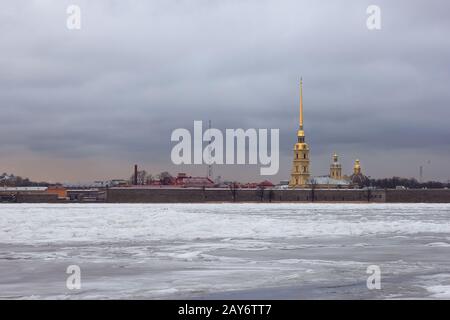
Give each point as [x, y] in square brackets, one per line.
[194, 181]
[266, 183]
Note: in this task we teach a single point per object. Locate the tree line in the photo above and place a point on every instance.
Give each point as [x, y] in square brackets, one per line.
[410, 183]
[10, 180]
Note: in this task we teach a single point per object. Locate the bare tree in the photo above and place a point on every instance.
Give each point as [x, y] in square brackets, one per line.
[141, 177]
[165, 178]
[233, 188]
[149, 179]
[313, 189]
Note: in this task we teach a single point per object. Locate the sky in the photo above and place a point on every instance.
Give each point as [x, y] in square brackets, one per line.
[87, 104]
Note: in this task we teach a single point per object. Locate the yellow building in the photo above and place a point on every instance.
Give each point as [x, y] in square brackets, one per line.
[300, 165]
[58, 190]
[333, 181]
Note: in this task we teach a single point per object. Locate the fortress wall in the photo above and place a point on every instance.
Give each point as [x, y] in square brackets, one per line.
[419, 195]
[36, 198]
[324, 195]
[180, 195]
[138, 195]
[154, 195]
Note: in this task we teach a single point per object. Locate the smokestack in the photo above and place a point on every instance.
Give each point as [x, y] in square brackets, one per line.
[135, 182]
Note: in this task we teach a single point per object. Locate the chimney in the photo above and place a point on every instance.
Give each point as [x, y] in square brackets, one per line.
[135, 182]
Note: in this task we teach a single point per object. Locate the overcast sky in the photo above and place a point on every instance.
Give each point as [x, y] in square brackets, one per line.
[87, 104]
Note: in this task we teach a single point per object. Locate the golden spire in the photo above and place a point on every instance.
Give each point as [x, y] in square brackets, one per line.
[300, 132]
[301, 104]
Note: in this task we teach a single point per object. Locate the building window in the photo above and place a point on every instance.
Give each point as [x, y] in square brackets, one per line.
[304, 169]
[296, 155]
[296, 168]
[304, 156]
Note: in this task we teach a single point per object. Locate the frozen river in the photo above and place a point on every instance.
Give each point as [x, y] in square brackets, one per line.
[208, 251]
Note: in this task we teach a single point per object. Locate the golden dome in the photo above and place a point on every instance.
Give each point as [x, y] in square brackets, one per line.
[357, 167]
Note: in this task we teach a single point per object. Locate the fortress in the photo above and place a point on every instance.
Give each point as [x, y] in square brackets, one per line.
[302, 187]
[334, 187]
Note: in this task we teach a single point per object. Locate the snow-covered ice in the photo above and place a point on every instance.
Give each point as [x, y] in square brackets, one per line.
[224, 250]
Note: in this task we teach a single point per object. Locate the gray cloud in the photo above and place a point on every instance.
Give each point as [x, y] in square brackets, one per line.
[114, 90]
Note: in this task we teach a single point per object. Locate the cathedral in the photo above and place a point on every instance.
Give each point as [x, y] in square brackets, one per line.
[300, 175]
[300, 166]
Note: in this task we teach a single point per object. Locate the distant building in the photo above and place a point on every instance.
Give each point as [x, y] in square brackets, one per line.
[26, 194]
[24, 189]
[110, 183]
[334, 180]
[326, 182]
[335, 168]
[192, 182]
[266, 184]
[86, 195]
[60, 191]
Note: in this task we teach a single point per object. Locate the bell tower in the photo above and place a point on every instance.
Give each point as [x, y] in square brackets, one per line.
[335, 168]
[300, 164]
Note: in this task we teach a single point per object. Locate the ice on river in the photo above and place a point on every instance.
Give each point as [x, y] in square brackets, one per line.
[270, 251]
